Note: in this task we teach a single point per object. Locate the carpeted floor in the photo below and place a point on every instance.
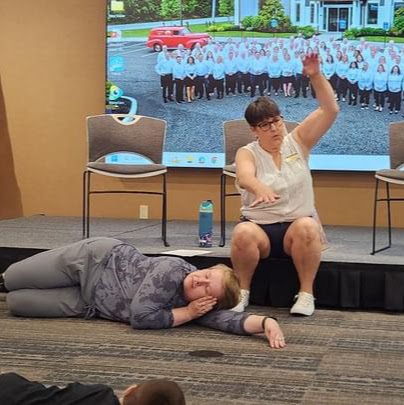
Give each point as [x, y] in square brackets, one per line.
[334, 357]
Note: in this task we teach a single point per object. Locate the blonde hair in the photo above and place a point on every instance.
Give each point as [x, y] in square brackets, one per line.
[231, 287]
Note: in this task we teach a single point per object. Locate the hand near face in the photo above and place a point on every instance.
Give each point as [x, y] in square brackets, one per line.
[311, 65]
[201, 306]
[264, 195]
[274, 334]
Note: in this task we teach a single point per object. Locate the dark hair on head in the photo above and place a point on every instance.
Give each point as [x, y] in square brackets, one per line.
[260, 109]
[354, 64]
[398, 67]
[382, 66]
[161, 392]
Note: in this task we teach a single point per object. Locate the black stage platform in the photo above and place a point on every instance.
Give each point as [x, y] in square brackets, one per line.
[349, 277]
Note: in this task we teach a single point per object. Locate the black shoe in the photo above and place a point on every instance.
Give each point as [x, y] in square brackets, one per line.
[165, 100]
[296, 96]
[179, 102]
[3, 288]
[208, 98]
[200, 97]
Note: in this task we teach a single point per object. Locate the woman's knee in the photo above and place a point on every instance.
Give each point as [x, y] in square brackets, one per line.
[307, 230]
[244, 233]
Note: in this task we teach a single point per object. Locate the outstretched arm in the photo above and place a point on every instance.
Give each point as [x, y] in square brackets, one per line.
[241, 323]
[245, 171]
[258, 324]
[309, 132]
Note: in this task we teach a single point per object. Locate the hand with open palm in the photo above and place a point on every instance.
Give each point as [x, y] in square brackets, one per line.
[311, 65]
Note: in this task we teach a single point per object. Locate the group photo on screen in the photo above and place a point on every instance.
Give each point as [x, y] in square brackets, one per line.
[188, 74]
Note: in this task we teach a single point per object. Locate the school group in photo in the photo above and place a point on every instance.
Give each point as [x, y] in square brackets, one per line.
[356, 70]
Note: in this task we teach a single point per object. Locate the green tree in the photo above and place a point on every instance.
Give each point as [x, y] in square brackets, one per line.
[141, 10]
[398, 24]
[170, 9]
[226, 7]
[197, 8]
[272, 9]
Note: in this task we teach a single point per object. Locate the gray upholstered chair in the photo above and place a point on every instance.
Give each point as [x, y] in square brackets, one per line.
[390, 176]
[236, 133]
[128, 136]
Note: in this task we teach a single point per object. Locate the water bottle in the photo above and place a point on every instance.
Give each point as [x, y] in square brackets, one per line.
[205, 223]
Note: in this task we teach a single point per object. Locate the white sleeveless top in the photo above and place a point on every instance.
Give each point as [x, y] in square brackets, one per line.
[292, 182]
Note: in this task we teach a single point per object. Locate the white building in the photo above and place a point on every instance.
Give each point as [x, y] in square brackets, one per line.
[339, 15]
[331, 15]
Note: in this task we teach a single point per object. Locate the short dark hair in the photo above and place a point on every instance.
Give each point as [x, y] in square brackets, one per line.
[261, 109]
[161, 391]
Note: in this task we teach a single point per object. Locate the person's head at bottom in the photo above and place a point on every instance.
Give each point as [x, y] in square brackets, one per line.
[154, 392]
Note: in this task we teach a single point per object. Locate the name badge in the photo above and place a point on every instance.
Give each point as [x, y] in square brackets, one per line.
[292, 158]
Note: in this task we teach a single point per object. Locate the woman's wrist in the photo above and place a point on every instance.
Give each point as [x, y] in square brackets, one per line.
[315, 75]
[264, 321]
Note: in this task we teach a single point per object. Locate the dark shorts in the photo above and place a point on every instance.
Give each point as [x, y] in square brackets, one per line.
[288, 79]
[276, 234]
[189, 82]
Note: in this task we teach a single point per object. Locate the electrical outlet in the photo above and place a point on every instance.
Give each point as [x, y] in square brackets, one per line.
[144, 212]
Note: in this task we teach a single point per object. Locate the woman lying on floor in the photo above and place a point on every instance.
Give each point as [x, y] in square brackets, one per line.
[110, 279]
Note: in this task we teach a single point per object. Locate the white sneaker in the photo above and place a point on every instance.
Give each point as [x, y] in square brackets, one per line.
[304, 304]
[243, 301]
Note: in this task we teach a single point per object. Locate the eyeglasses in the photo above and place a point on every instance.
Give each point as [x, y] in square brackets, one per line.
[267, 125]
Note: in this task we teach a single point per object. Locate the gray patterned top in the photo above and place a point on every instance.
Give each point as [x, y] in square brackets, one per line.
[142, 291]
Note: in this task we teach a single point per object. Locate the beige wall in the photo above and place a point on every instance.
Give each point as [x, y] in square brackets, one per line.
[51, 78]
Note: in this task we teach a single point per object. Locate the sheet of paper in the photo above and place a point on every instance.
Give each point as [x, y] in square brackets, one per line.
[186, 252]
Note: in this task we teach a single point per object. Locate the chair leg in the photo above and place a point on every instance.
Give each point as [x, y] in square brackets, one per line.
[164, 214]
[83, 213]
[374, 219]
[88, 204]
[374, 251]
[222, 210]
[388, 211]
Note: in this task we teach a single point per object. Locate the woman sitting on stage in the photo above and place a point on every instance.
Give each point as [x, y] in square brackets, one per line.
[107, 278]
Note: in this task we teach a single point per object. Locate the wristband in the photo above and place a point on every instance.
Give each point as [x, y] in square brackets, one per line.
[265, 318]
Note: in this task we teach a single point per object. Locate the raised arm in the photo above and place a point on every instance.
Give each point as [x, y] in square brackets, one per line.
[309, 132]
[246, 179]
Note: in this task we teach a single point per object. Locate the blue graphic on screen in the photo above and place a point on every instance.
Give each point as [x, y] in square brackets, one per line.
[116, 64]
[126, 159]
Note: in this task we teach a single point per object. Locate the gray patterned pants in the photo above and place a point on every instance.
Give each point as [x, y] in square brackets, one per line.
[58, 282]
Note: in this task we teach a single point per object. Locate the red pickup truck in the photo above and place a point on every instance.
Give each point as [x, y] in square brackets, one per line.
[173, 36]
